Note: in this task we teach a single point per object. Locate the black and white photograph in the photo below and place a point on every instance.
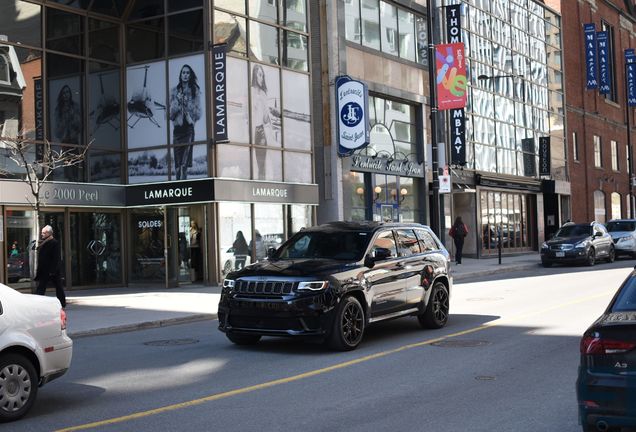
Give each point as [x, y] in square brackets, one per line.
[148, 166]
[238, 114]
[146, 108]
[266, 114]
[296, 111]
[193, 158]
[105, 167]
[104, 113]
[65, 110]
[186, 110]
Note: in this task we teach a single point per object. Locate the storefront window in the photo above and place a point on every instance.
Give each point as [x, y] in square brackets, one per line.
[298, 167]
[296, 112]
[147, 243]
[599, 206]
[21, 235]
[96, 255]
[504, 217]
[301, 217]
[230, 29]
[269, 229]
[235, 235]
[616, 205]
[20, 22]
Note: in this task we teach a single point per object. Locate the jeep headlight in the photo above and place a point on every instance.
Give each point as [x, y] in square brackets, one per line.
[228, 283]
[545, 245]
[312, 286]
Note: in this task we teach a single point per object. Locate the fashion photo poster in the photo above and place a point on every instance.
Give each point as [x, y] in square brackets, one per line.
[146, 108]
[148, 166]
[237, 100]
[193, 159]
[187, 113]
[266, 112]
[65, 110]
[296, 110]
[104, 109]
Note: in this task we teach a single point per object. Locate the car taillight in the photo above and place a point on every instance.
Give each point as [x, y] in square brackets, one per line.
[594, 345]
[63, 318]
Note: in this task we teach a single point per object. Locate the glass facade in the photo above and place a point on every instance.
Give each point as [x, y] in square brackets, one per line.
[506, 217]
[516, 95]
[129, 81]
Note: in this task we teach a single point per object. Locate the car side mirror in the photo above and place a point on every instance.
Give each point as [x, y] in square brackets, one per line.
[230, 250]
[271, 252]
[380, 254]
[369, 261]
[598, 234]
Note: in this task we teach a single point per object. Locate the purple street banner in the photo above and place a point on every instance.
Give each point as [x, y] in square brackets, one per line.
[544, 156]
[630, 72]
[605, 81]
[590, 56]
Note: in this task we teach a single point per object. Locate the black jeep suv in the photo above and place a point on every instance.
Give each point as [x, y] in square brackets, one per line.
[331, 281]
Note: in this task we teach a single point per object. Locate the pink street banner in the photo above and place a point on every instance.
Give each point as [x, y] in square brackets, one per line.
[450, 76]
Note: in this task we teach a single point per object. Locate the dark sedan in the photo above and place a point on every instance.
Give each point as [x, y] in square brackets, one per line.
[330, 282]
[578, 243]
[606, 385]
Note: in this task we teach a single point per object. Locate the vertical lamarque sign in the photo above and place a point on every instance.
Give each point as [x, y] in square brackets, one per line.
[38, 94]
[219, 81]
[589, 32]
[604, 78]
[457, 115]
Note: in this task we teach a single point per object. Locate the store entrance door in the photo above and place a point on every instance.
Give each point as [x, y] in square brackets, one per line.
[186, 245]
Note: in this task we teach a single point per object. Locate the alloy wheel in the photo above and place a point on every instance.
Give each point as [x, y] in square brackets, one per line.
[352, 323]
[440, 305]
[15, 387]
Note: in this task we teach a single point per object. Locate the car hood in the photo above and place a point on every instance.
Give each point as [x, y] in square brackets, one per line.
[293, 268]
[567, 240]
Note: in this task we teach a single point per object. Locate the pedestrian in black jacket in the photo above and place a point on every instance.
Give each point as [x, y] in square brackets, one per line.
[49, 264]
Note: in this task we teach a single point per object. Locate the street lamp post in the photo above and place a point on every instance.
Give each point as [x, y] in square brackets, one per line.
[435, 205]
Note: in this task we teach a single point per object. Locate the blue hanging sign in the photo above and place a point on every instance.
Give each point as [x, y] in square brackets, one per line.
[590, 56]
[605, 82]
[630, 75]
[352, 102]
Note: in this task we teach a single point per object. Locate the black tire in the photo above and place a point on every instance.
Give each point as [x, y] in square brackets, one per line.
[546, 264]
[243, 339]
[591, 258]
[435, 315]
[348, 325]
[612, 255]
[18, 386]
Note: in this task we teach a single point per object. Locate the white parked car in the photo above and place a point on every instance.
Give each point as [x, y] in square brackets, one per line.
[623, 232]
[34, 348]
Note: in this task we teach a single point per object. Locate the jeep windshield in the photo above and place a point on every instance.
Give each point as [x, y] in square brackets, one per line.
[336, 245]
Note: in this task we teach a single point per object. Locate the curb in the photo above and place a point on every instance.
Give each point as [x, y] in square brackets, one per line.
[142, 325]
[488, 272]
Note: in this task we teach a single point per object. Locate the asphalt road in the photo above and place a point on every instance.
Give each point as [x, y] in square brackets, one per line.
[506, 362]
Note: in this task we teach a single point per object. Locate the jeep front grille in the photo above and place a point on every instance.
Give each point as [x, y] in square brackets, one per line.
[263, 287]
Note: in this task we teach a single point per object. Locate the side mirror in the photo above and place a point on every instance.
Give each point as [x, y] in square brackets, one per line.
[368, 261]
[598, 234]
[230, 250]
[380, 254]
[271, 252]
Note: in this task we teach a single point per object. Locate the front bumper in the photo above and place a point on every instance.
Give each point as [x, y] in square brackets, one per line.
[306, 315]
[571, 255]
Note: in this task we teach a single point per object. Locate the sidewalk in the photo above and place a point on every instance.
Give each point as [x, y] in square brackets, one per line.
[114, 310]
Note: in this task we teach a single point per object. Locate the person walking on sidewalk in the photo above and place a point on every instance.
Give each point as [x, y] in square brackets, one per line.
[49, 264]
[458, 232]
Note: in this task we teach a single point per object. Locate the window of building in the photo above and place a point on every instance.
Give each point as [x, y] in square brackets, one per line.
[614, 150]
[599, 206]
[575, 147]
[598, 156]
[4, 70]
[616, 205]
[386, 27]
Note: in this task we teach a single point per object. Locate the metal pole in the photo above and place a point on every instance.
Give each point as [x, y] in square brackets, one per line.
[435, 206]
[630, 152]
[499, 243]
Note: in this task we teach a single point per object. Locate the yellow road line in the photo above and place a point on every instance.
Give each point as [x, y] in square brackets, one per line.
[316, 372]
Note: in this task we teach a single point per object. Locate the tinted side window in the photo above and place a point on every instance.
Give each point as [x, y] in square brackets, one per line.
[426, 241]
[407, 243]
[385, 240]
